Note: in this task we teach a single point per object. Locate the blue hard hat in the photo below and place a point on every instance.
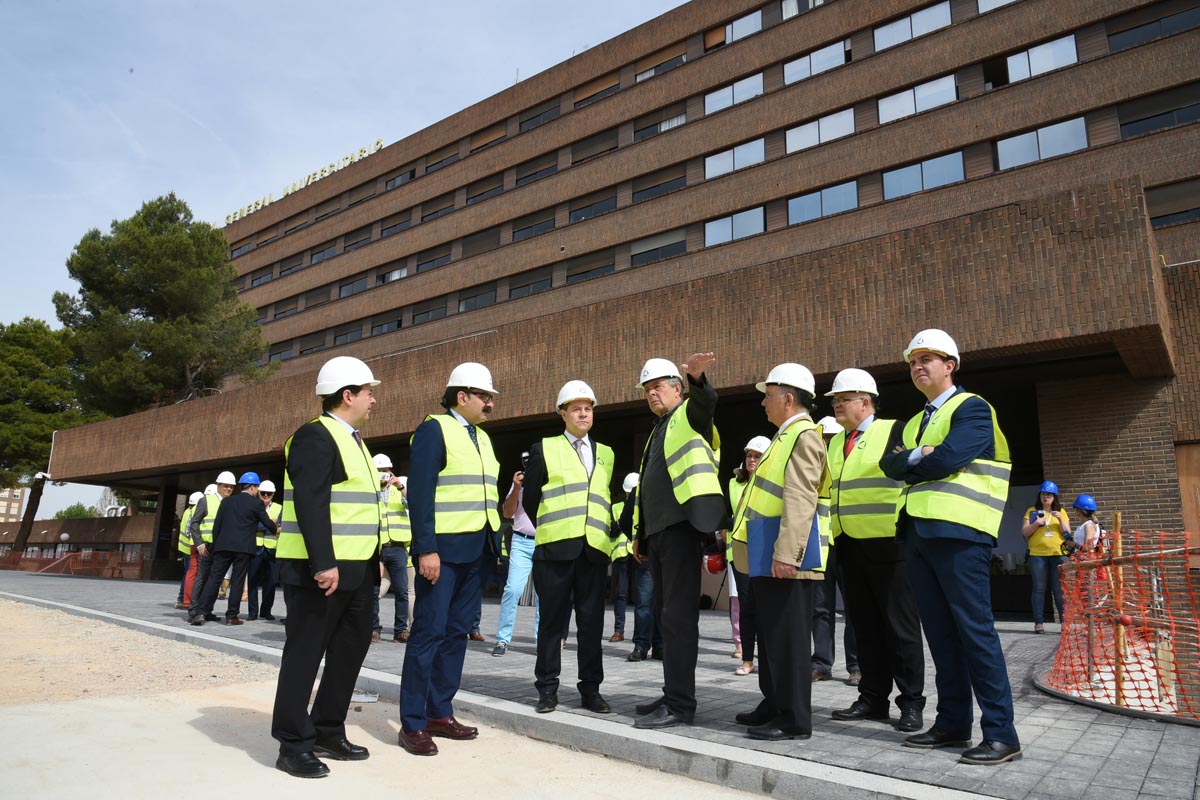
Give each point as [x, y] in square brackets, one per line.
[1085, 502]
[249, 479]
[1049, 487]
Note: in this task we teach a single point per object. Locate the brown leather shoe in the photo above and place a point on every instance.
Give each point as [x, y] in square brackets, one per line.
[450, 728]
[234, 621]
[401, 637]
[419, 743]
[476, 636]
[374, 637]
[617, 637]
[818, 675]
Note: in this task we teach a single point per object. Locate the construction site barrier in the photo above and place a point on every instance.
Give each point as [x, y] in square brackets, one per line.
[101, 564]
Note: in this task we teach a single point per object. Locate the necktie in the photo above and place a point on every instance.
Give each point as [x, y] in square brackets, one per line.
[850, 440]
[358, 438]
[580, 445]
[929, 409]
[474, 437]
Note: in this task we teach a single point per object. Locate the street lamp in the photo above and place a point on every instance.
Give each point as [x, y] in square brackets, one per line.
[65, 538]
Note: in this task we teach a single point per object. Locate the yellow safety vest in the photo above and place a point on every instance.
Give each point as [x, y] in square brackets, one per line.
[211, 503]
[185, 541]
[862, 500]
[466, 498]
[353, 503]
[573, 505]
[763, 497]
[396, 525]
[621, 545]
[736, 490]
[691, 460]
[265, 538]
[974, 497]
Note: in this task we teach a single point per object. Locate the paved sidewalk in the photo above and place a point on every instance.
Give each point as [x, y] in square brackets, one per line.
[1070, 751]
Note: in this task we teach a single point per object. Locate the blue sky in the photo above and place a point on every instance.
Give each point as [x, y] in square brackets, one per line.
[104, 105]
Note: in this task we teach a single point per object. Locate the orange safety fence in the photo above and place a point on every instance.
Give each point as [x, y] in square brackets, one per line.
[1129, 632]
[103, 564]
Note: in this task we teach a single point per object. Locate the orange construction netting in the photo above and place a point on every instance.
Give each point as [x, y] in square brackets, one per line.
[1129, 633]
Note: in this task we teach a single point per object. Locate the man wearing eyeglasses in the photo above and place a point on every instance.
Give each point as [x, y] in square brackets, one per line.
[453, 506]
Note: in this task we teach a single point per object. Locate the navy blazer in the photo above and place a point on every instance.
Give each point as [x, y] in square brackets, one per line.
[426, 460]
[235, 528]
[971, 437]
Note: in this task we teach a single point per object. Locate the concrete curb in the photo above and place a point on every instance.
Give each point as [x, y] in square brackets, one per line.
[721, 764]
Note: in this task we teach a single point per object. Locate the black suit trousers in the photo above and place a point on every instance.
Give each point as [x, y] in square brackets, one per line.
[557, 583]
[675, 558]
[336, 628]
[784, 613]
[237, 564]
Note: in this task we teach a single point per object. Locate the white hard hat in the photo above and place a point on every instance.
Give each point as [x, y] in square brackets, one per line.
[267, 486]
[630, 483]
[829, 426]
[382, 461]
[790, 374]
[853, 380]
[657, 368]
[575, 390]
[227, 477]
[758, 444]
[194, 498]
[342, 371]
[210, 489]
[471, 375]
[935, 341]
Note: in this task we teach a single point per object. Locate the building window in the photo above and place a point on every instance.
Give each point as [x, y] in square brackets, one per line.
[928, 174]
[479, 297]
[533, 225]
[593, 146]
[356, 239]
[386, 275]
[290, 265]
[661, 63]
[400, 178]
[1165, 26]
[589, 273]
[433, 258]
[738, 29]
[295, 223]
[264, 237]
[316, 297]
[532, 282]
[285, 308]
[396, 223]
[536, 169]
[647, 187]
[819, 131]
[323, 252]
[385, 323]
[731, 95]
[917, 99]
[437, 207]
[540, 115]
[1174, 204]
[656, 248]
[592, 206]
[345, 334]
[429, 310]
[916, 24]
[793, 8]
[1163, 110]
[738, 226]
[261, 316]
[1028, 63]
[660, 121]
[597, 90]
[261, 277]
[312, 343]
[480, 242]
[1047, 142]
[816, 62]
[442, 158]
[245, 248]
[489, 137]
[329, 208]
[482, 190]
[815, 205]
[991, 5]
[744, 155]
[281, 352]
[358, 194]
[353, 286]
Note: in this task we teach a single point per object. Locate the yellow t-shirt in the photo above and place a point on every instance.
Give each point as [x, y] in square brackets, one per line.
[1047, 540]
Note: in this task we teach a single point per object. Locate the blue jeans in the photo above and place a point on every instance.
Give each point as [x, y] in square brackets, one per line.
[394, 558]
[621, 593]
[520, 564]
[1043, 569]
[646, 633]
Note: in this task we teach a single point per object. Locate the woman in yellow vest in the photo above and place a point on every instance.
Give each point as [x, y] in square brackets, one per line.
[741, 600]
[1045, 528]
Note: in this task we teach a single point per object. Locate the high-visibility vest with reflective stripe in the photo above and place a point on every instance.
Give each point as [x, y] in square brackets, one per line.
[974, 497]
[736, 490]
[353, 503]
[573, 505]
[270, 539]
[185, 541]
[621, 545]
[211, 503]
[466, 498]
[763, 497]
[862, 500]
[691, 460]
[396, 525]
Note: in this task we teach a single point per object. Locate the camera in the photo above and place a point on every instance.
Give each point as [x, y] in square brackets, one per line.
[524, 461]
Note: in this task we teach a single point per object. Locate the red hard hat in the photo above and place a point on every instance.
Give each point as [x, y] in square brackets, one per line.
[714, 563]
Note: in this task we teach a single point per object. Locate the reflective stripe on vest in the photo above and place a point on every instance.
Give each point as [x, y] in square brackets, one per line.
[185, 541]
[691, 461]
[270, 539]
[466, 498]
[211, 503]
[763, 497]
[862, 500]
[571, 504]
[974, 497]
[736, 491]
[396, 525]
[353, 503]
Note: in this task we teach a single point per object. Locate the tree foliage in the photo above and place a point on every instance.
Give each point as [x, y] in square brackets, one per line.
[75, 511]
[157, 318]
[36, 397]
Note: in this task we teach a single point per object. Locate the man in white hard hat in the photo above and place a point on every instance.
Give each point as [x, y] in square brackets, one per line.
[185, 546]
[453, 507]
[566, 495]
[781, 533]
[265, 575]
[200, 530]
[329, 567]
[680, 507]
[396, 536]
[879, 600]
[955, 464]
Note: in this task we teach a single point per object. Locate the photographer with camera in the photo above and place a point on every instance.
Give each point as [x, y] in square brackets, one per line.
[1045, 528]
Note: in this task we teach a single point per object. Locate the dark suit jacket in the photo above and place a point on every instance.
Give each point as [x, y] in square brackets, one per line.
[314, 465]
[536, 477]
[235, 528]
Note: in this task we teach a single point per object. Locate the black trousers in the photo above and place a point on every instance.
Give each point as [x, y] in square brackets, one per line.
[336, 628]
[675, 558]
[203, 567]
[785, 650]
[221, 561]
[557, 584]
[747, 624]
[880, 603]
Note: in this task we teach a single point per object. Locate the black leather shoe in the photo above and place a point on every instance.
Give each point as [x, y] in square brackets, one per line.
[547, 703]
[988, 752]
[302, 765]
[936, 737]
[661, 717]
[638, 654]
[595, 703]
[656, 654]
[754, 718]
[267, 616]
[211, 618]
[774, 733]
[340, 750]
[253, 618]
[911, 719]
[643, 709]
[861, 709]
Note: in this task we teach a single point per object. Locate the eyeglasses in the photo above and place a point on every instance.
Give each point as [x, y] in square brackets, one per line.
[842, 401]
[267, 494]
[484, 396]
